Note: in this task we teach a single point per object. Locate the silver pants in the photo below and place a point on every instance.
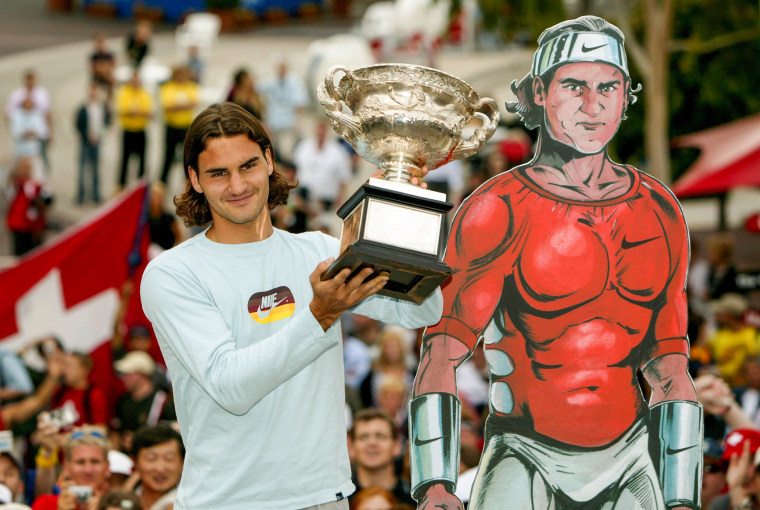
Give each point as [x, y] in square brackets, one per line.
[519, 473]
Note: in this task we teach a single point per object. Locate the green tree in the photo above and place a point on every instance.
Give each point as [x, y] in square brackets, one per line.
[697, 64]
[521, 19]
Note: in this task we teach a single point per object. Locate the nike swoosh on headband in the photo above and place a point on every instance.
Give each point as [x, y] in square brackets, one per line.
[586, 49]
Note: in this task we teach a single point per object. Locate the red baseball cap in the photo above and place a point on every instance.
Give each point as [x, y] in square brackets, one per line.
[734, 442]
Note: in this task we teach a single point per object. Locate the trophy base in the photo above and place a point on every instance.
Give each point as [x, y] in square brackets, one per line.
[412, 277]
[398, 229]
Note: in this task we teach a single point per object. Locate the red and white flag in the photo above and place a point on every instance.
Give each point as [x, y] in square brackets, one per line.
[69, 288]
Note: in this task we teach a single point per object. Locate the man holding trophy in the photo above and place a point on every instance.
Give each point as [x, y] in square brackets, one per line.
[571, 270]
[250, 332]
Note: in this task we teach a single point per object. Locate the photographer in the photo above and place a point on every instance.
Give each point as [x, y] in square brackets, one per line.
[90, 401]
[17, 412]
[85, 472]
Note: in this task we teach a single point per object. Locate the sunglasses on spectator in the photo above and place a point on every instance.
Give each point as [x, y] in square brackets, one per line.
[79, 434]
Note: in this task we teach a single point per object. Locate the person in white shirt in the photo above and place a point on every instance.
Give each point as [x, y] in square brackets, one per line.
[250, 332]
[41, 101]
[323, 167]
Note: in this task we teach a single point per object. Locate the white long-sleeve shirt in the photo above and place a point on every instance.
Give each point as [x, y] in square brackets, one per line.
[258, 385]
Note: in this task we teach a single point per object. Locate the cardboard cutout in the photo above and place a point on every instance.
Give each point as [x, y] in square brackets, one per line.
[571, 272]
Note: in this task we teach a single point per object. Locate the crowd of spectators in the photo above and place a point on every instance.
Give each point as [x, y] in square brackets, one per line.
[72, 442]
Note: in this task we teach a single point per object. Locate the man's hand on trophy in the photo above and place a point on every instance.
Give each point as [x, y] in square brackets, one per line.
[336, 295]
[438, 497]
[417, 175]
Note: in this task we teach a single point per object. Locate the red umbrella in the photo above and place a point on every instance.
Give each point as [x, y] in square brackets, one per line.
[730, 157]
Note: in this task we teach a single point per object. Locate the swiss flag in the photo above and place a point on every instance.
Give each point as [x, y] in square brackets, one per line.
[70, 287]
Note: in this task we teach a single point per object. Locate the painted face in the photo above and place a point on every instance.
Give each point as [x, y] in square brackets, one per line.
[87, 466]
[233, 174]
[374, 443]
[160, 466]
[583, 104]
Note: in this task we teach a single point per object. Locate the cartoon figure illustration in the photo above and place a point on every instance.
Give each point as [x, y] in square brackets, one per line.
[571, 271]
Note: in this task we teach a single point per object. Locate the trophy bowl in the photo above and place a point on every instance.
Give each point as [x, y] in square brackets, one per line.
[399, 116]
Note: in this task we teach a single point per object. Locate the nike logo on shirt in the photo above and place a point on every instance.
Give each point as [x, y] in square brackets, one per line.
[263, 314]
[626, 244]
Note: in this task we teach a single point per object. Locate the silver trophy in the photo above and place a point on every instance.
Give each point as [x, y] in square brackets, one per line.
[399, 117]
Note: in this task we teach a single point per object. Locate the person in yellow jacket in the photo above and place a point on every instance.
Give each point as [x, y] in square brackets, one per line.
[734, 340]
[179, 97]
[134, 107]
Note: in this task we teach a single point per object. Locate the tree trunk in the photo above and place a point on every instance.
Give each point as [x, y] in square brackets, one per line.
[656, 126]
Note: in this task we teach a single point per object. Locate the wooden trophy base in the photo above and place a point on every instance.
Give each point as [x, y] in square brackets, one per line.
[396, 232]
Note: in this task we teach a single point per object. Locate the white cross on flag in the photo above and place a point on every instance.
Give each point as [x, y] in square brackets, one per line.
[70, 287]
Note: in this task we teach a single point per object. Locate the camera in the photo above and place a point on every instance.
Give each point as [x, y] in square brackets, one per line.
[6, 441]
[65, 416]
[82, 493]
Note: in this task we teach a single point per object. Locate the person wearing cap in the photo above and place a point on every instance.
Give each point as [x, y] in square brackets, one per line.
[120, 465]
[740, 453]
[571, 270]
[143, 403]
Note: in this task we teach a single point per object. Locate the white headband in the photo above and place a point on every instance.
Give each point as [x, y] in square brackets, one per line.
[579, 47]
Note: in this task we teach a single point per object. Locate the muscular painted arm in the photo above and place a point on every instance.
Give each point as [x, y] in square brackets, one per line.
[669, 377]
[667, 372]
[480, 234]
[676, 416]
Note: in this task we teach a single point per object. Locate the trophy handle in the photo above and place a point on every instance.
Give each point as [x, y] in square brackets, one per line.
[469, 147]
[347, 126]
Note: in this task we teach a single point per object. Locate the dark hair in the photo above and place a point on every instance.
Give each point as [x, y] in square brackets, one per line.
[219, 121]
[529, 112]
[148, 437]
[239, 75]
[84, 359]
[16, 464]
[372, 413]
[125, 500]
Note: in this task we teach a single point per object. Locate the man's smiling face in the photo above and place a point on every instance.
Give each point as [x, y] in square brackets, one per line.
[583, 104]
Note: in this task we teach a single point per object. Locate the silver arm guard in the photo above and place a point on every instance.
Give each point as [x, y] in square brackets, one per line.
[678, 425]
[434, 441]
